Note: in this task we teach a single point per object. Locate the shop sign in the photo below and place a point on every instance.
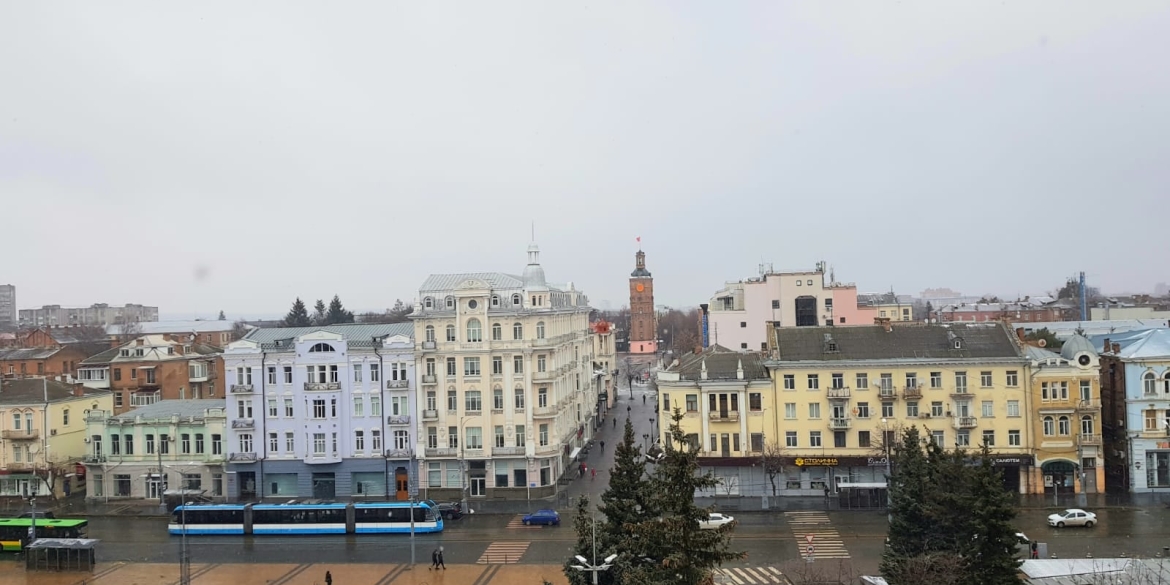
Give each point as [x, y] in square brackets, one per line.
[816, 462]
[877, 462]
[1164, 444]
[1008, 460]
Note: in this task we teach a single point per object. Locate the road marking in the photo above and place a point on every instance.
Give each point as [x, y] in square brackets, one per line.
[518, 523]
[824, 537]
[487, 575]
[504, 552]
[753, 575]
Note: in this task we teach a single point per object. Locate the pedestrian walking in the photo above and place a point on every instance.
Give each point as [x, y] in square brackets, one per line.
[434, 560]
[594, 472]
[643, 399]
[328, 578]
[441, 563]
[1035, 550]
[603, 446]
[628, 408]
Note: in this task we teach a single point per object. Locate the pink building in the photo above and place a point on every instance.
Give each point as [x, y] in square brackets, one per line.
[740, 313]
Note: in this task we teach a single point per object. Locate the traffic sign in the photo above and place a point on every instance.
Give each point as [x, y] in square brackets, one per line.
[808, 538]
[810, 550]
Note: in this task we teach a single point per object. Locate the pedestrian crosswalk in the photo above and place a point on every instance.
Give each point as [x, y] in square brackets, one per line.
[504, 552]
[518, 522]
[750, 576]
[826, 543]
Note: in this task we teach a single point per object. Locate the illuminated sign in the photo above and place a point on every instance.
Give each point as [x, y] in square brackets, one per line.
[816, 462]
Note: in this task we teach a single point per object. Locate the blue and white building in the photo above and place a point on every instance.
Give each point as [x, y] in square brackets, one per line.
[1135, 397]
[321, 412]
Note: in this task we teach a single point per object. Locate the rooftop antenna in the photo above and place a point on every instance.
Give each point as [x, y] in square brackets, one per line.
[534, 230]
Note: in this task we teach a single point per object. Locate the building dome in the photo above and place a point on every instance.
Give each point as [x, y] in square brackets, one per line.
[1075, 345]
[533, 273]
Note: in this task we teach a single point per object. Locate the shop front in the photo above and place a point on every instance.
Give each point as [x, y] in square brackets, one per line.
[1013, 467]
[1151, 465]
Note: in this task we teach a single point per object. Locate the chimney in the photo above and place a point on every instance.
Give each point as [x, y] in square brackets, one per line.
[1116, 347]
[1107, 346]
[884, 322]
[78, 390]
[1020, 333]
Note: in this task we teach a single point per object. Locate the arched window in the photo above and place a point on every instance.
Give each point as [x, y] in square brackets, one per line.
[519, 398]
[495, 300]
[430, 333]
[428, 303]
[474, 331]
[1086, 425]
[540, 329]
[449, 302]
[1166, 382]
[1063, 426]
[321, 347]
[497, 332]
[1049, 427]
[65, 417]
[1149, 383]
[516, 300]
[517, 331]
[450, 333]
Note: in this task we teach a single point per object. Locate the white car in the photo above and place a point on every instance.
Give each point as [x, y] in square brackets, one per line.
[1073, 517]
[715, 520]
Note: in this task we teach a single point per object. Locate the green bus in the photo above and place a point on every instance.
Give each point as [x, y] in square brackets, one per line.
[14, 531]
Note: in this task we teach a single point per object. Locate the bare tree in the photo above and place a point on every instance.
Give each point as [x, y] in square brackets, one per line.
[773, 461]
[129, 331]
[239, 329]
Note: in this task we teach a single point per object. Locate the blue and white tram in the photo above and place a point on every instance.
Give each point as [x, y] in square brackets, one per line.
[294, 518]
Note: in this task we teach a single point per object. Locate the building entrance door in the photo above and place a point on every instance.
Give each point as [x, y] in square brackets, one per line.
[154, 487]
[401, 484]
[478, 486]
[324, 486]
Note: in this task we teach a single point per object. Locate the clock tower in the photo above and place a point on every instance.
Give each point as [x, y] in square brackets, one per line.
[643, 334]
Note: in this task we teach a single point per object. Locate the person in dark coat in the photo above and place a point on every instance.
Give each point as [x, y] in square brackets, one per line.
[434, 560]
[440, 562]
[328, 578]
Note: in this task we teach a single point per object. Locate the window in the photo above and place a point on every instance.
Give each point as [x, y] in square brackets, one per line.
[789, 381]
[273, 443]
[517, 331]
[775, 303]
[273, 409]
[1013, 438]
[244, 408]
[814, 382]
[814, 410]
[497, 365]
[790, 410]
[471, 367]
[839, 439]
[288, 407]
[375, 405]
[1149, 384]
[376, 440]
[936, 379]
[319, 444]
[129, 446]
[474, 437]
[520, 436]
[837, 381]
[938, 437]
[449, 302]
[272, 375]
[1086, 390]
[1013, 408]
[790, 439]
[519, 399]
[317, 348]
[429, 332]
[498, 436]
[541, 363]
[540, 329]
[542, 397]
[888, 410]
[988, 409]
[862, 380]
[375, 372]
[428, 303]
[693, 402]
[1013, 378]
[359, 441]
[985, 379]
[150, 444]
[814, 439]
[498, 399]
[1049, 426]
[434, 474]
[245, 443]
[912, 409]
[359, 405]
[452, 370]
[65, 417]
[518, 364]
[319, 408]
[474, 331]
[911, 379]
[862, 410]
[544, 435]
[472, 401]
[1086, 425]
[516, 300]
[963, 439]
[1063, 426]
[199, 443]
[961, 381]
[936, 409]
[497, 332]
[450, 333]
[357, 372]
[886, 382]
[401, 440]
[989, 438]
[755, 402]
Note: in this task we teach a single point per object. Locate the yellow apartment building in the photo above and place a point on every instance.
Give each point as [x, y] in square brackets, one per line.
[42, 435]
[726, 398]
[1066, 420]
[844, 393]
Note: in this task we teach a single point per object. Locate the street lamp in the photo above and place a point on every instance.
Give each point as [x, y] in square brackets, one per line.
[463, 462]
[594, 568]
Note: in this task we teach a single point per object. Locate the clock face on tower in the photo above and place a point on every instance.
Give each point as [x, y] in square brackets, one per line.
[639, 287]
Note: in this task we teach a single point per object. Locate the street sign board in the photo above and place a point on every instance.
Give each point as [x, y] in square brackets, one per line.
[808, 538]
[810, 550]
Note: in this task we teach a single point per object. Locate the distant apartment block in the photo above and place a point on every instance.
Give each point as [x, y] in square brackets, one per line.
[7, 306]
[1026, 311]
[214, 333]
[100, 314]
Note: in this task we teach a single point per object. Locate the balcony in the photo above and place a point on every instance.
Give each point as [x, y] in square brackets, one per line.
[912, 392]
[22, 435]
[549, 449]
[401, 419]
[542, 376]
[474, 453]
[1089, 405]
[240, 389]
[723, 416]
[473, 346]
[243, 423]
[887, 393]
[544, 342]
[444, 452]
[391, 384]
[839, 393]
[840, 424]
[94, 459]
[428, 345]
[242, 457]
[545, 411]
[965, 422]
[962, 392]
[502, 451]
[322, 386]
[398, 454]
[430, 415]
[1088, 439]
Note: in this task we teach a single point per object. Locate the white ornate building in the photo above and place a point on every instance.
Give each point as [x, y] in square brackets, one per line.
[507, 382]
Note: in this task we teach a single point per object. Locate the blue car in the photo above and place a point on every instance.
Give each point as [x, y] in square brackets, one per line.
[546, 517]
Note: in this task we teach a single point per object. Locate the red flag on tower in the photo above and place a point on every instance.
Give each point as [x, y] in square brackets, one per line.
[639, 239]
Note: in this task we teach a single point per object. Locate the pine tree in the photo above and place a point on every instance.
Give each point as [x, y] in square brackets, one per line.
[298, 316]
[319, 313]
[222, 317]
[583, 524]
[625, 502]
[679, 551]
[337, 313]
[992, 555]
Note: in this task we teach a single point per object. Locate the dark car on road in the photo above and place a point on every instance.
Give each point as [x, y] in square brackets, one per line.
[448, 510]
[545, 517]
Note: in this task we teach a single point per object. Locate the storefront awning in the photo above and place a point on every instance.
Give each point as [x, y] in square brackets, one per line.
[573, 455]
[145, 367]
[865, 485]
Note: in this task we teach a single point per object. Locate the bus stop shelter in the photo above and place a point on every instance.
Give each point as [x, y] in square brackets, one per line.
[60, 554]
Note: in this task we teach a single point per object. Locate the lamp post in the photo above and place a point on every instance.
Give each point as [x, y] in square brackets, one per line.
[594, 568]
[886, 444]
[463, 462]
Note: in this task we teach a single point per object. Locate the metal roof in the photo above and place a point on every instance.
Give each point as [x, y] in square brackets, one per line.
[22, 391]
[349, 331]
[151, 327]
[721, 364]
[1143, 344]
[448, 282]
[29, 353]
[903, 341]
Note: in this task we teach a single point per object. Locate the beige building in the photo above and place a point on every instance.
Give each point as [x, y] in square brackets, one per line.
[1066, 391]
[42, 434]
[505, 365]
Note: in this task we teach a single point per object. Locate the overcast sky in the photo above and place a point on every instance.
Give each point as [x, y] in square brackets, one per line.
[234, 155]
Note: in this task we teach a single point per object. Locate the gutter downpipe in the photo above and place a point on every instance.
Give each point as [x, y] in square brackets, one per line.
[382, 422]
[263, 406]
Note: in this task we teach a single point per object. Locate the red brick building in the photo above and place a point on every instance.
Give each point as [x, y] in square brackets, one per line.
[155, 367]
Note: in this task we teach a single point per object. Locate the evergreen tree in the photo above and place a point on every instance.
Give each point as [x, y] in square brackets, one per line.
[583, 524]
[319, 313]
[625, 502]
[337, 313]
[298, 316]
[991, 558]
[676, 548]
[222, 317]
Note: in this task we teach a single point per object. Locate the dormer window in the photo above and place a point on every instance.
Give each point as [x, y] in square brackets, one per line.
[516, 300]
[428, 303]
[449, 302]
[125, 353]
[139, 352]
[495, 301]
[832, 347]
[958, 344]
[321, 348]
[170, 351]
